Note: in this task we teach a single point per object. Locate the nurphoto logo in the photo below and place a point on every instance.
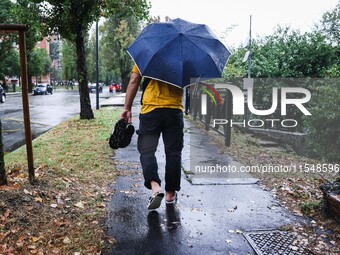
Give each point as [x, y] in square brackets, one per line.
[239, 100]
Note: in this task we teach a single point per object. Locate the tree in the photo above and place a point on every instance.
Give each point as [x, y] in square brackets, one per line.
[288, 53]
[329, 25]
[6, 41]
[118, 35]
[72, 20]
[323, 126]
[26, 12]
[69, 61]
[39, 63]
[55, 56]
[235, 68]
[91, 58]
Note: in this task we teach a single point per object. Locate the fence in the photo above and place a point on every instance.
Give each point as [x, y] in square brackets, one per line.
[214, 111]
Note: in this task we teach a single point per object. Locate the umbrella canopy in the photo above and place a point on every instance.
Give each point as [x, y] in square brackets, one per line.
[178, 52]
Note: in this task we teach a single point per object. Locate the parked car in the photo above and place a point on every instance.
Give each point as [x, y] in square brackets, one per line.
[115, 86]
[93, 87]
[2, 95]
[43, 89]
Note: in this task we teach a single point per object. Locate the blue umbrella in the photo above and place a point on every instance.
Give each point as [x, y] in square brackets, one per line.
[178, 52]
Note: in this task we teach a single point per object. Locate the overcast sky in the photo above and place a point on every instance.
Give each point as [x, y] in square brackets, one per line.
[266, 14]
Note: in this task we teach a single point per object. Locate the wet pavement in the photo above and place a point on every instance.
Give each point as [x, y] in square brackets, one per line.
[211, 214]
[46, 111]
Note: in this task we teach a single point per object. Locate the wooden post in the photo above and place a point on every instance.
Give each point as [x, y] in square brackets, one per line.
[25, 103]
[13, 28]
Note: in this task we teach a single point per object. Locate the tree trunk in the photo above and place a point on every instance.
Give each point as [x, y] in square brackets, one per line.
[85, 102]
[3, 179]
[125, 79]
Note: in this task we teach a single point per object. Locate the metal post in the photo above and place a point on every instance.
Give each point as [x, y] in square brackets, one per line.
[249, 48]
[25, 102]
[97, 68]
[227, 128]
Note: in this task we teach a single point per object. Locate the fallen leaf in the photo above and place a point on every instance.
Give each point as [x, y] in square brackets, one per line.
[66, 240]
[101, 205]
[38, 199]
[79, 205]
[59, 200]
[20, 244]
[88, 194]
[7, 213]
[35, 239]
[27, 192]
[54, 205]
[56, 251]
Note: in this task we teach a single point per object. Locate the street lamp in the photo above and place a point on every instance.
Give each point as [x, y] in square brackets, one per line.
[247, 56]
[97, 67]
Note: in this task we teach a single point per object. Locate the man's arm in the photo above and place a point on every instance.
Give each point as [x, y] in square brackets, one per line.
[130, 96]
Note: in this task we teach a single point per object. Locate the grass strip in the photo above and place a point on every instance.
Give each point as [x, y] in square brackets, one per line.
[64, 212]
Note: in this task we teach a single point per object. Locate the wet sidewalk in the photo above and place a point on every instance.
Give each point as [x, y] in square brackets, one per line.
[212, 214]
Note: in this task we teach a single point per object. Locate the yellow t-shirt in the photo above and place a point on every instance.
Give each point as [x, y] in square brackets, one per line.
[160, 95]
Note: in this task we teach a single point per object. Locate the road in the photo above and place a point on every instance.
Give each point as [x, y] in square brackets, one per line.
[46, 111]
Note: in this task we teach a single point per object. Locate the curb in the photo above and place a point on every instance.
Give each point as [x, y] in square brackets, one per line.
[10, 94]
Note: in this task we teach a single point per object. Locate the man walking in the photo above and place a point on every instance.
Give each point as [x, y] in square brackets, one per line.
[161, 113]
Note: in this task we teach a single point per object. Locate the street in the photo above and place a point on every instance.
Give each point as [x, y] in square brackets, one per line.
[46, 111]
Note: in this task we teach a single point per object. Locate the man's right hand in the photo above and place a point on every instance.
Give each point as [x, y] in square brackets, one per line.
[127, 116]
[130, 95]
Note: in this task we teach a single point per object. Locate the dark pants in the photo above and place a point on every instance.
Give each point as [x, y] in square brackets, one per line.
[169, 123]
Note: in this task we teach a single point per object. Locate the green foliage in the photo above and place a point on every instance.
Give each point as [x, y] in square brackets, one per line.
[310, 206]
[10, 66]
[26, 12]
[39, 63]
[69, 66]
[287, 53]
[330, 25]
[235, 68]
[7, 50]
[71, 17]
[117, 35]
[5, 7]
[323, 126]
